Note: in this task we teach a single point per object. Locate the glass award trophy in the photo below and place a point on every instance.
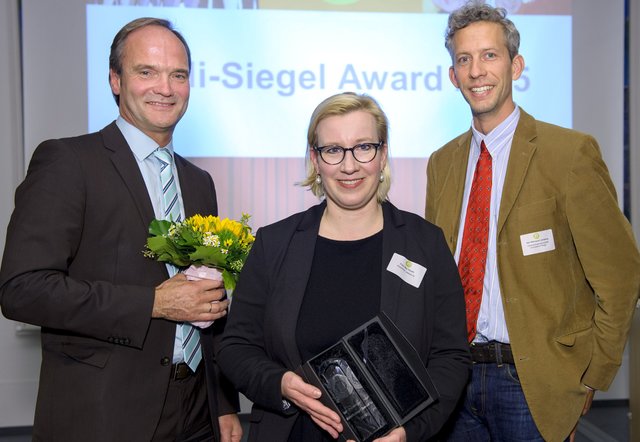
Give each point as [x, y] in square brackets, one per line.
[373, 378]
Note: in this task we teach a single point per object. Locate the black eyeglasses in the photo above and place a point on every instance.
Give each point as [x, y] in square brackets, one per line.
[363, 152]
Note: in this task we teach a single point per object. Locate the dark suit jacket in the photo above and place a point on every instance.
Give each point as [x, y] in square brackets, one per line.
[568, 310]
[73, 265]
[259, 344]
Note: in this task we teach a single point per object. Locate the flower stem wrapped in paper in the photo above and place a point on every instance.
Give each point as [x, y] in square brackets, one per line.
[202, 246]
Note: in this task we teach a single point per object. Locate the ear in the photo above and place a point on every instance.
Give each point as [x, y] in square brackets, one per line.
[383, 156]
[452, 77]
[114, 82]
[314, 158]
[517, 67]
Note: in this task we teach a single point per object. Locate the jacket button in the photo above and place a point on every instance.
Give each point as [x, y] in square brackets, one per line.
[165, 361]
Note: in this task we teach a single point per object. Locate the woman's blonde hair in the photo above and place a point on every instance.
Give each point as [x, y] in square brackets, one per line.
[342, 104]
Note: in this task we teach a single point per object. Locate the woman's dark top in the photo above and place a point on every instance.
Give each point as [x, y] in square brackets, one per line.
[343, 292]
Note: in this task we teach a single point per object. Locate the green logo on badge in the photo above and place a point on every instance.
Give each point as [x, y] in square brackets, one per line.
[536, 236]
[408, 264]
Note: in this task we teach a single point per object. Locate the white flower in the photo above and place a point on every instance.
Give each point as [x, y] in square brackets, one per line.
[209, 239]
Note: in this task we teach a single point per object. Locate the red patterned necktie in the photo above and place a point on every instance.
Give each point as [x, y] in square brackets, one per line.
[475, 239]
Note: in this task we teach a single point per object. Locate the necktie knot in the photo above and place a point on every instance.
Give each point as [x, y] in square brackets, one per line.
[483, 149]
[169, 189]
[163, 154]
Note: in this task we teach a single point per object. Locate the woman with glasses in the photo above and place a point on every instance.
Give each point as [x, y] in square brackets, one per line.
[317, 275]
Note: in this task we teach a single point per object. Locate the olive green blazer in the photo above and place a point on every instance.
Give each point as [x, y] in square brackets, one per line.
[568, 310]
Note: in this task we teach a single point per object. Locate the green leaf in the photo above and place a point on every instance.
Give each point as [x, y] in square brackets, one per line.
[159, 227]
[209, 256]
[166, 251]
[229, 280]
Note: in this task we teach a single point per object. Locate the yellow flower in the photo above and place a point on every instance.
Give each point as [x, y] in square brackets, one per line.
[247, 238]
[196, 222]
[232, 226]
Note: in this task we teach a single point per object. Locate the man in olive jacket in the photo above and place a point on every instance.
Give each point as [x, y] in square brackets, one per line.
[562, 271]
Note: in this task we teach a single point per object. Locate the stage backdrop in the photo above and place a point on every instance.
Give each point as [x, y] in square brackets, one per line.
[51, 59]
[257, 75]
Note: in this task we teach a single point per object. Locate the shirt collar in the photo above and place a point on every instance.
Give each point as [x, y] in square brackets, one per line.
[496, 138]
[140, 144]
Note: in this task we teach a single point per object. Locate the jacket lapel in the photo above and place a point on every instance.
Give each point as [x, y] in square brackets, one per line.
[522, 150]
[449, 199]
[187, 188]
[393, 241]
[298, 264]
[125, 163]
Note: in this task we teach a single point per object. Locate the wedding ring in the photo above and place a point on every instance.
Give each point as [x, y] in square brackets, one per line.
[210, 307]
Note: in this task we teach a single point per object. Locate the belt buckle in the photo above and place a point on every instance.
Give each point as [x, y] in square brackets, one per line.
[488, 353]
[180, 371]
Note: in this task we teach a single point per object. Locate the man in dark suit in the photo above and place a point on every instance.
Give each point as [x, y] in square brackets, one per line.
[113, 325]
[558, 269]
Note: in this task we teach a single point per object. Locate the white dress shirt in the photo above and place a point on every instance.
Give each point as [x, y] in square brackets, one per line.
[491, 325]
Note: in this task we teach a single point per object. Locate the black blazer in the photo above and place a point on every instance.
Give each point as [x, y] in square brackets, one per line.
[259, 342]
[73, 265]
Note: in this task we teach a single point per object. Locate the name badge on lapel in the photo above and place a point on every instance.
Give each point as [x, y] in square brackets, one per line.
[409, 271]
[537, 242]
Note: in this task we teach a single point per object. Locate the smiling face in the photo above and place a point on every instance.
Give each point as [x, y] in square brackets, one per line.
[349, 185]
[154, 84]
[484, 73]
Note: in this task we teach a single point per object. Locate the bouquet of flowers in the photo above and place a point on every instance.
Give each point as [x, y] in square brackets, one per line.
[202, 241]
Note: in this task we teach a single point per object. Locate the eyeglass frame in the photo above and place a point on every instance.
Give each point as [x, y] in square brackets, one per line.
[376, 146]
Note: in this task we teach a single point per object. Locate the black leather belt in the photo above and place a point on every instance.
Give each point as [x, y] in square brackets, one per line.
[491, 353]
[180, 371]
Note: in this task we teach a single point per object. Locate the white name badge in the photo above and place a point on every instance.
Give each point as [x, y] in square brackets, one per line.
[409, 271]
[537, 242]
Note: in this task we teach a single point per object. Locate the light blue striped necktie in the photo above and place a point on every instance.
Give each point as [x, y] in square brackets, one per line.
[190, 336]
